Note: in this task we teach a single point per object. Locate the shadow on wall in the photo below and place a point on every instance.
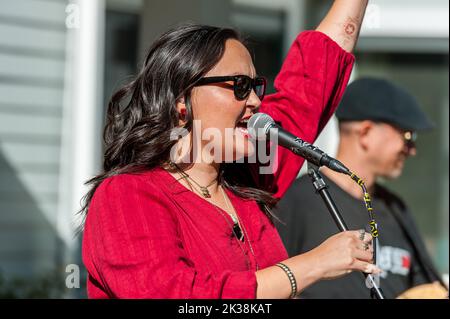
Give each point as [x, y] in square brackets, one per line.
[30, 249]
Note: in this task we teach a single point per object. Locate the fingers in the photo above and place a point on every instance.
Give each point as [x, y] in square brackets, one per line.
[368, 247]
[362, 239]
[362, 235]
[363, 255]
[362, 245]
[365, 267]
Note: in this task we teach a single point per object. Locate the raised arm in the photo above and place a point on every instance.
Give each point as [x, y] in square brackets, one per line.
[343, 22]
[309, 87]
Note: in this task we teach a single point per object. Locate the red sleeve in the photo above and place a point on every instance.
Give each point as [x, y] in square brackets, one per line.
[309, 87]
[132, 248]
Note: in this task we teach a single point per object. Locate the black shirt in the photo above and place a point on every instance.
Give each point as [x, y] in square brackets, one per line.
[401, 253]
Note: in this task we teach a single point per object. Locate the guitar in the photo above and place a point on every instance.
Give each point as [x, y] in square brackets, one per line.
[426, 291]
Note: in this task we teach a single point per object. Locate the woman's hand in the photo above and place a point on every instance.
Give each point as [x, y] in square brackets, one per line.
[338, 255]
[343, 253]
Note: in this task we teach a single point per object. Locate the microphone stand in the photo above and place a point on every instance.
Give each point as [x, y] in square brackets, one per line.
[321, 188]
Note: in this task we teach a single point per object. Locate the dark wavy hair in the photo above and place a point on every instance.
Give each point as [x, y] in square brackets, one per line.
[142, 114]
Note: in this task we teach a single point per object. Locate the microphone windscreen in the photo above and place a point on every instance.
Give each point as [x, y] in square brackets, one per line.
[259, 124]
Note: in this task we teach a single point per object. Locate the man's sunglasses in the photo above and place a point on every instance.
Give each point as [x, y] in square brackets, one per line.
[410, 138]
[242, 85]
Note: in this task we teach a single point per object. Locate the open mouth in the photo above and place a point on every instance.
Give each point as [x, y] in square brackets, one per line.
[242, 125]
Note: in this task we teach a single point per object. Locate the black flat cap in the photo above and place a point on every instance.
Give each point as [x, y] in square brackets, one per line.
[382, 101]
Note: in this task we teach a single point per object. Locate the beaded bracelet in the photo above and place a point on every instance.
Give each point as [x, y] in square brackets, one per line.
[291, 277]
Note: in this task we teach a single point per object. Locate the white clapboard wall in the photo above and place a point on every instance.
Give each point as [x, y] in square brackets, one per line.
[32, 64]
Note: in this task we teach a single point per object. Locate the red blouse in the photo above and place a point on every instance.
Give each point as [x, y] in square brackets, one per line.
[147, 236]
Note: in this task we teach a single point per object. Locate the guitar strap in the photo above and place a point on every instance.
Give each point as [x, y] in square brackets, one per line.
[410, 231]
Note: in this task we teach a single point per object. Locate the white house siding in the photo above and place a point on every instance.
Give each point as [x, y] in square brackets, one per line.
[32, 64]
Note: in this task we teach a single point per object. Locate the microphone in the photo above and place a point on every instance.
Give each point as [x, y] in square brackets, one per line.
[261, 125]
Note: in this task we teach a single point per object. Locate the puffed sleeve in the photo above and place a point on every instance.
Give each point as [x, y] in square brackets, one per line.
[309, 87]
[132, 248]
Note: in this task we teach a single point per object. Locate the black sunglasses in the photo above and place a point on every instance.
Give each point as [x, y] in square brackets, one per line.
[242, 85]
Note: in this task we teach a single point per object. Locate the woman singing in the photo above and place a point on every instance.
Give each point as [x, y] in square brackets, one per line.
[163, 222]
